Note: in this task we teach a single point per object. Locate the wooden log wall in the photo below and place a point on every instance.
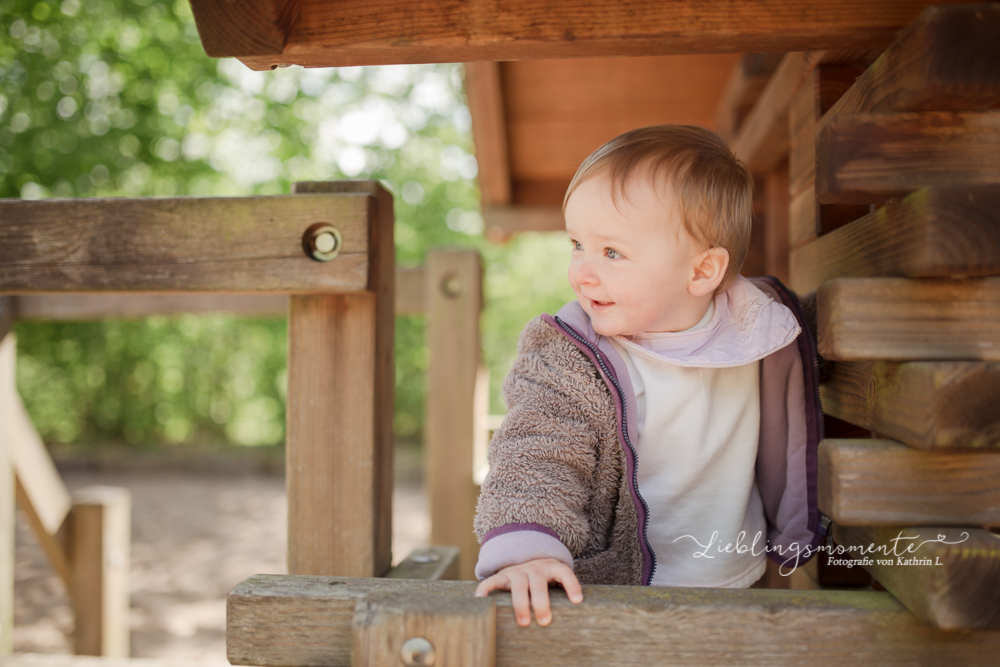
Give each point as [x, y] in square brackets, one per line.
[892, 218]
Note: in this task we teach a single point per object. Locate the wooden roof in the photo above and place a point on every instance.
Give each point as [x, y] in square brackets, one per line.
[538, 113]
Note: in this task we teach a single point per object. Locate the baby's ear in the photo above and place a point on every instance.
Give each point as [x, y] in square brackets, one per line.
[709, 270]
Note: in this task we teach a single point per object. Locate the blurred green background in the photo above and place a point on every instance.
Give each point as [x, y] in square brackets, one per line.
[117, 98]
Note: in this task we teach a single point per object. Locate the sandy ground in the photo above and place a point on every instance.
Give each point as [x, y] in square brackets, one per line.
[194, 536]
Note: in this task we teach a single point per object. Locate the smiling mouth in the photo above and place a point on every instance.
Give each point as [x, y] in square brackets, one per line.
[601, 304]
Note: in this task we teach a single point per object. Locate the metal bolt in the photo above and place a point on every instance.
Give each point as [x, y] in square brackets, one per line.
[322, 241]
[426, 557]
[452, 285]
[418, 652]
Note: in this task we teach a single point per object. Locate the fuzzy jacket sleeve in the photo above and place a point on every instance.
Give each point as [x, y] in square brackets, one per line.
[542, 458]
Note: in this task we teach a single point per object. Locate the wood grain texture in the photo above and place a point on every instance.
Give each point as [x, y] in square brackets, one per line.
[884, 483]
[254, 27]
[489, 131]
[307, 621]
[187, 244]
[925, 404]
[506, 221]
[557, 112]
[746, 82]
[8, 395]
[863, 158]
[41, 493]
[462, 632]
[955, 589]
[99, 550]
[76, 307]
[933, 233]
[379, 32]
[339, 414]
[454, 293]
[428, 564]
[900, 319]
[776, 224]
[944, 61]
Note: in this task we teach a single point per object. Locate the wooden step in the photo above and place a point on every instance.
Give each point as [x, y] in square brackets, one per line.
[924, 404]
[878, 482]
[948, 577]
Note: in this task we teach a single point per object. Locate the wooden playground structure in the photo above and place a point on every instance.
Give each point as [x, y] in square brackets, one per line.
[875, 138]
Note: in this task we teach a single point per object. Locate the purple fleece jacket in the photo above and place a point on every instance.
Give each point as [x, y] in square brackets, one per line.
[562, 479]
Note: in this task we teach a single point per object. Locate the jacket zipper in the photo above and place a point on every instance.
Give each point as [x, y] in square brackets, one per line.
[624, 431]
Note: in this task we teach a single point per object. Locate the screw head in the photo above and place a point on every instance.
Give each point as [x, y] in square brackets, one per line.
[425, 557]
[322, 241]
[418, 652]
[451, 285]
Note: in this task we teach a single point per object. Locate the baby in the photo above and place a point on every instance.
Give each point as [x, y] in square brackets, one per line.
[662, 428]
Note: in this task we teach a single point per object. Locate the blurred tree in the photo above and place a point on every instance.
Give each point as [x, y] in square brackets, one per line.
[117, 98]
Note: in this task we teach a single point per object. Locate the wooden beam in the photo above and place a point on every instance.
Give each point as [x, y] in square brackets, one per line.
[745, 84]
[489, 131]
[381, 32]
[885, 483]
[933, 233]
[186, 244]
[274, 620]
[423, 631]
[99, 550]
[41, 493]
[428, 564]
[503, 222]
[776, 224]
[863, 158]
[454, 294]
[252, 28]
[75, 307]
[339, 435]
[902, 319]
[948, 577]
[925, 404]
[944, 61]
[8, 394]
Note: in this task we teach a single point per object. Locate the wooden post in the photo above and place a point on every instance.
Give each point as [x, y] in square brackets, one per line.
[456, 632]
[339, 414]
[7, 396]
[99, 548]
[454, 297]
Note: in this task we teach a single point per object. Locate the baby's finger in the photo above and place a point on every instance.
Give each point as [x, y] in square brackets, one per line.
[570, 584]
[519, 599]
[540, 598]
[498, 582]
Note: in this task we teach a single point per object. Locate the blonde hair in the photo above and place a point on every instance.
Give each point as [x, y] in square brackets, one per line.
[713, 189]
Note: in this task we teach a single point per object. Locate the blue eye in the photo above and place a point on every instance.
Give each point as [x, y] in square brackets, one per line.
[576, 244]
[612, 253]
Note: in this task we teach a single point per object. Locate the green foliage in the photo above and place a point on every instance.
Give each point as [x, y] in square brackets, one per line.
[117, 98]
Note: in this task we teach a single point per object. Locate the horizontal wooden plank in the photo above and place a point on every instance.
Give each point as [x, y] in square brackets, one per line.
[924, 404]
[932, 233]
[50, 660]
[945, 61]
[885, 483]
[428, 564]
[864, 158]
[276, 620]
[240, 244]
[257, 27]
[900, 319]
[76, 307]
[502, 222]
[381, 32]
[948, 577]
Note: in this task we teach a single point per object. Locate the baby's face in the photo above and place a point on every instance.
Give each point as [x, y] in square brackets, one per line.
[631, 265]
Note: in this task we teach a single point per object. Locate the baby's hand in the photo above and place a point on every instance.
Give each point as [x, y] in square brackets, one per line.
[532, 577]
